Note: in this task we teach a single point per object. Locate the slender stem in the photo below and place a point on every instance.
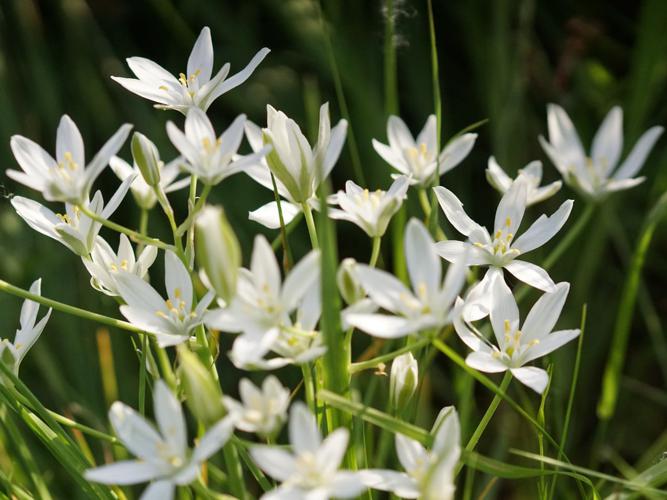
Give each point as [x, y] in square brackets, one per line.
[166, 368]
[234, 470]
[142, 374]
[169, 212]
[134, 235]
[490, 411]
[143, 226]
[66, 308]
[573, 389]
[375, 252]
[310, 222]
[432, 215]
[287, 254]
[68, 422]
[309, 386]
[373, 363]
[424, 202]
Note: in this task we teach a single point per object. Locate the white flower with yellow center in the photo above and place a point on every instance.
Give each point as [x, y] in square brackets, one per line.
[211, 158]
[428, 305]
[532, 174]
[517, 344]
[298, 167]
[502, 249]
[429, 474]
[73, 229]
[261, 410]
[163, 455]
[66, 178]
[371, 211]
[598, 174]
[170, 319]
[195, 88]
[312, 469]
[29, 331]
[262, 307]
[144, 194]
[104, 263]
[418, 158]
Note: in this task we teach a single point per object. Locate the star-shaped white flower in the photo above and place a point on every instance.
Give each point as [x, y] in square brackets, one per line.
[428, 305]
[262, 305]
[104, 263]
[211, 158]
[596, 175]
[73, 229]
[517, 344]
[261, 410]
[298, 167]
[429, 474]
[532, 173]
[144, 194]
[311, 471]
[170, 319]
[66, 178]
[418, 158]
[28, 332]
[502, 249]
[371, 211]
[163, 455]
[195, 88]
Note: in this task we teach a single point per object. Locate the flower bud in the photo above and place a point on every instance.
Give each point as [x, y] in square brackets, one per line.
[403, 380]
[203, 395]
[147, 158]
[348, 285]
[218, 251]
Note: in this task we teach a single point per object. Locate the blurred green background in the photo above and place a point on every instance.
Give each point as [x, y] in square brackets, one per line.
[503, 60]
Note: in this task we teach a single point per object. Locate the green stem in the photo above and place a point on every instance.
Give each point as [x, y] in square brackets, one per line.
[166, 368]
[142, 374]
[287, 254]
[67, 422]
[309, 386]
[486, 418]
[375, 252]
[134, 235]
[424, 202]
[310, 222]
[234, 470]
[432, 217]
[66, 308]
[373, 363]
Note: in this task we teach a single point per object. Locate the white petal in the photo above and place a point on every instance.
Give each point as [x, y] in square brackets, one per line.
[391, 156]
[170, 418]
[608, 141]
[453, 209]
[214, 439]
[346, 485]
[110, 148]
[200, 62]
[177, 280]
[545, 313]
[159, 490]
[456, 151]
[124, 472]
[384, 326]
[485, 362]
[150, 71]
[497, 176]
[135, 432]
[276, 462]
[137, 293]
[562, 133]
[300, 279]
[383, 288]
[331, 452]
[303, 431]
[504, 311]
[268, 216]
[535, 378]
[399, 483]
[69, 140]
[635, 160]
[543, 229]
[410, 453]
[550, 343]
[452, 251]
[447, 433]
[423, 262]
[182, 143]
[398, 134]
[428, 135]
[338, 134]
[621, 185]
[531, 274]
[264, 267]
[512, 207]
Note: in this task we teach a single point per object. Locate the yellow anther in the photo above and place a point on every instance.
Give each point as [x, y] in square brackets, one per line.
[498, 235]
[508, 222]
[423, 149]
[509, 236]
[161, 314]
[123, 264]
[113, 267]
[163, 87]
[507, 326]
[182, 79]
[177, 293]
[534, 342]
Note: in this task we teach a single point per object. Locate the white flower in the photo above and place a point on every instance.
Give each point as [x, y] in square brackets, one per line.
[263, 304]
[311, 471]
[427, 305]
[144, 194]
[370, 211]
[104, 263]
[429, 474]
[596, 175]
[73, 229]
[163, 455]
[517, 345]
[502, 250]
[28, 332]
[532, 174]
[171, 319]
[298, 168]
[403, 380]
[195, 88]
[66, 178]
[419, 158]
[211, 158]
[263, 410]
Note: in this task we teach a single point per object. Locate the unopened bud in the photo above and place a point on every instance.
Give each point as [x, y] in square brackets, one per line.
[348, 284]
[202, 393]
[403, 380]
[218, 251]
[147, 158]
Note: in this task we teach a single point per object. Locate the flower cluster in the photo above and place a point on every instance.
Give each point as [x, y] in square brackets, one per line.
[276, 317]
